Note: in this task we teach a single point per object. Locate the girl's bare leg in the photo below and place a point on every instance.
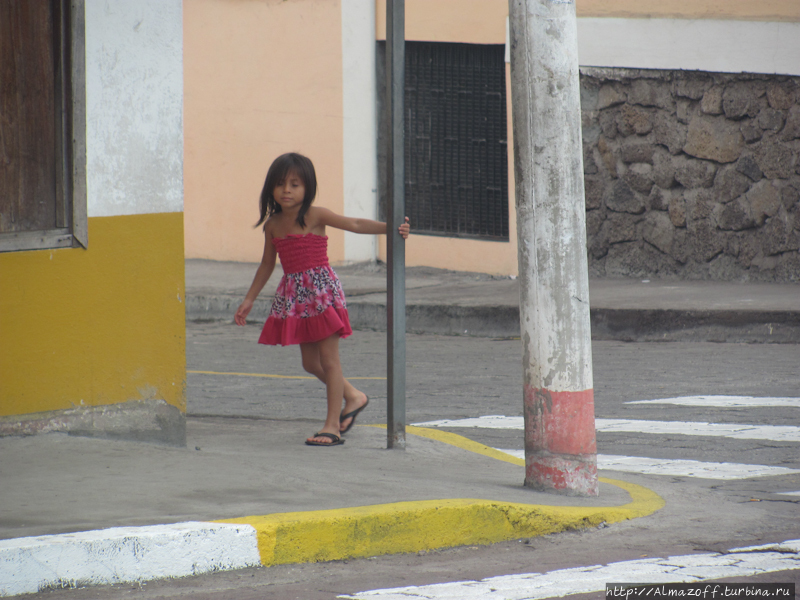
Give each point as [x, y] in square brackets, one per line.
[353, 397]
[331, 366]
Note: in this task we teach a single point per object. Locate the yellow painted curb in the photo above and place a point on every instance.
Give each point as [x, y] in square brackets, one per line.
[400, 527]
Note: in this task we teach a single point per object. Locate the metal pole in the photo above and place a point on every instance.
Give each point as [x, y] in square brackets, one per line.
[560, 446]
[396, 260]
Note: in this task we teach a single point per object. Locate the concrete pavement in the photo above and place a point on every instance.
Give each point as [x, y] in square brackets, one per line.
[77, 511]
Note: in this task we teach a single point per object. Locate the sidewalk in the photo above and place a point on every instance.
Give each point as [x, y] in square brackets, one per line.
[145, 512]
[457, 303]
[79, 511]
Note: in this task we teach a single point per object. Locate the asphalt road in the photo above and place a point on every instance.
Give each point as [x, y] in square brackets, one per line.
[457, 378]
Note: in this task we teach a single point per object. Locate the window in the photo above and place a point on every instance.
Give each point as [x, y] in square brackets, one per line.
[42, 129]
[456, 155]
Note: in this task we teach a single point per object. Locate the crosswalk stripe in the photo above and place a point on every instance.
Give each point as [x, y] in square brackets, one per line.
[725, 401]
[678, 468]
[485, 422]
[659, 466]
[739, 562]
[774, 433]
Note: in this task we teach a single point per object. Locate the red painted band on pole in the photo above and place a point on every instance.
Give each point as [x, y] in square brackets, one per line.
[559, 422]
[560, 441]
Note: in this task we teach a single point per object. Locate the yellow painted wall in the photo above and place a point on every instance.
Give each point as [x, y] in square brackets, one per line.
[99, 326]
[260, 79]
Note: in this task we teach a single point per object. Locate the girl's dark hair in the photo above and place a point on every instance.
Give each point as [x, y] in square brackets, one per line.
[278, 171]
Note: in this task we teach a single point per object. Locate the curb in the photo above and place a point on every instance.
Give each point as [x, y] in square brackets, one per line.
[502, 321]
[123, 555]
[136, 554]
[673, 325]
[403, 527]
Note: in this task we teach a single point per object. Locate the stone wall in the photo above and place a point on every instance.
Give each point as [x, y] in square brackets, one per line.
[692, 175]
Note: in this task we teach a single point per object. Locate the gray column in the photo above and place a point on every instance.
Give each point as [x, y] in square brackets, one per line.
[560, 448]
[396, 259]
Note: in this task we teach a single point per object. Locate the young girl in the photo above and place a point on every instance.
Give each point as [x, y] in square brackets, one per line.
[309, 307]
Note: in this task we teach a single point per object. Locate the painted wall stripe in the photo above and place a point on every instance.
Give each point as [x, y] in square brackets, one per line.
[678, 467]
[135, 347]
[775, 433]
[725, 401]
[739, 562]
[690, 44]
[124, 554]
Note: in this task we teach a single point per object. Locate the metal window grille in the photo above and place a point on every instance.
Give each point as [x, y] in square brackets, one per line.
[456, 158]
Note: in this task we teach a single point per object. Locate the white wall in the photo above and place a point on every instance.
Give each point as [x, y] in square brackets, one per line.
[690, 44]
[359, 123]
[134, 106]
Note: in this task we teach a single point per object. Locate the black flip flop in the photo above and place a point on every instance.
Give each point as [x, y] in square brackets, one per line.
[335, 440]
[352, 414]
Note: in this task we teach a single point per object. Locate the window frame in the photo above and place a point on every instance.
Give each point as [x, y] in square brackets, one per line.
[71, 136]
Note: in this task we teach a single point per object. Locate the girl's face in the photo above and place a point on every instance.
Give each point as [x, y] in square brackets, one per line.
[290, 192]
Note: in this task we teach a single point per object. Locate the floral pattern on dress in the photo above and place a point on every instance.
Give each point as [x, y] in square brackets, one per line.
[307, 294]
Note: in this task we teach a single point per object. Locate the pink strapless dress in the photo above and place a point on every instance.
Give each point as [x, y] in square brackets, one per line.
[309, 303]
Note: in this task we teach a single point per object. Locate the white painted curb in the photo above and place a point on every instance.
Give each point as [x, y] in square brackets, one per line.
[124, 554]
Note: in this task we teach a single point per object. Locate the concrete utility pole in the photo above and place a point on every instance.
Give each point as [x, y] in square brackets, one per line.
[396, 209]
[560, 446]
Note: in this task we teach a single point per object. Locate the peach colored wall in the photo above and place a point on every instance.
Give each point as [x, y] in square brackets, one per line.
[471, 21]
[467, 21]
[451, 20]
[260, 79]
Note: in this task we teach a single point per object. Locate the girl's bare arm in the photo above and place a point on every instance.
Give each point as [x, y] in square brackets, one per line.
[263, 273]
[356, 225]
